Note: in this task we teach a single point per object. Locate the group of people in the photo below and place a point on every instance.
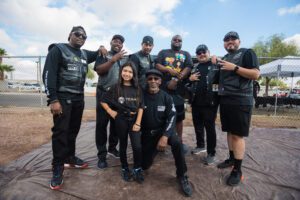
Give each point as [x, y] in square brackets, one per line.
[143, 98]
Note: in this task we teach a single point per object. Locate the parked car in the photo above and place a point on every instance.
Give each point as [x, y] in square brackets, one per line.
[295, 93]
[281, 94]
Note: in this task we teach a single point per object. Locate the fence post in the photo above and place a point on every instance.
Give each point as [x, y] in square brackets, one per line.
[40, 80]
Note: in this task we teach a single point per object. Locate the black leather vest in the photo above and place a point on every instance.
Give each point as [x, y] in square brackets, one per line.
[73, 71]
[232, 83]
[146, 63]
[212, 80]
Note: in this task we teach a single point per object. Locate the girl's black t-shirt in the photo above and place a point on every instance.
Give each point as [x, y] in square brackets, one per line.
[124, 97]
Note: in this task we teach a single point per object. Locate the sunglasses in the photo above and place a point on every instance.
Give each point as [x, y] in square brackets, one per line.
[152, 78]
[230, 38]
[201, 52]
[78, 34]
[177, 40]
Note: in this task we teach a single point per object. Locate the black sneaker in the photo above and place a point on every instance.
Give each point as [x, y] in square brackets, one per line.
[235, 178]
[102, 164]
[115, 153]
[75, 162]
[57, 178]
[125, 173]
[137, 175]
[227, 163]
[185, 186]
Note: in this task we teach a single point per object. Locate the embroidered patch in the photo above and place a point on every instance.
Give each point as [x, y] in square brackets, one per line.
[161, 108]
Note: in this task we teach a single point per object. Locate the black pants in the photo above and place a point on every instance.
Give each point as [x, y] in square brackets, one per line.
[102, 119]
[123, 127]
[204, 117]
[149, 151]
[65, 130]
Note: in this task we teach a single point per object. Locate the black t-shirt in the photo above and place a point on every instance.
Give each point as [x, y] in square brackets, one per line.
[177, 61]
[52, 64]
[124, 97]
[249, 61]
[159, 113]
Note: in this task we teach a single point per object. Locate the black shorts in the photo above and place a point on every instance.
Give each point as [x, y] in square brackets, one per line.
[180, 113]
[236, 119]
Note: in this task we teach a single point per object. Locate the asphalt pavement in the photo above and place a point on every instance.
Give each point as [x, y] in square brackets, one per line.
[35, 100]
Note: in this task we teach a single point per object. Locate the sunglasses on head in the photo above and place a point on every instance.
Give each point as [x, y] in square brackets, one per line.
[152, 78]
[177, 40]
[78, 34]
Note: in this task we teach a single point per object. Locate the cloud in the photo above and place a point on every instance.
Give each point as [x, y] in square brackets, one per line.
[162, 31]
[42, 22]
[294, 39]
[291, 10]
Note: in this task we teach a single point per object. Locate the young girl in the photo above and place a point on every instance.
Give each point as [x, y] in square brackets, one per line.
[124, 103]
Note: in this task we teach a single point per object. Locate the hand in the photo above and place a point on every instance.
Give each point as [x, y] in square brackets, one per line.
[172, 85]
[228, 66]
[195, 76]
[214, 59]
[118, 56]
[173, 72]
[112, 113]
[136, 127]
[162, 143]
[56, 108]
[102, 51]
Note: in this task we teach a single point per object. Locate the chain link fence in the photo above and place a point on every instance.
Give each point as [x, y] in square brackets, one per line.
[277, 92]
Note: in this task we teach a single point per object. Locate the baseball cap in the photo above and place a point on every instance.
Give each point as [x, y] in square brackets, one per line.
[120, 37]
[231, 34]
[148, 40]
[201, 47]
[154, 72]
[76, 28]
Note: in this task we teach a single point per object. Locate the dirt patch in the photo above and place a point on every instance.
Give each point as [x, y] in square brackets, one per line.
[24, 129]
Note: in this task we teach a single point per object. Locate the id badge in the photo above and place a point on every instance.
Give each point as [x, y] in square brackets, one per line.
[215, 87]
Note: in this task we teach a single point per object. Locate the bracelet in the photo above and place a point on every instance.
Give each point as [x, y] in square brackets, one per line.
[138, 125]
[236, 68]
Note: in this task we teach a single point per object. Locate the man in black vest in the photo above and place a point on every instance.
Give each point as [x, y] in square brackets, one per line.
[158, 129]
[107, 67]
[64, 78]
[238, 70]
[175, 64]
[205, 79]
[143, 60]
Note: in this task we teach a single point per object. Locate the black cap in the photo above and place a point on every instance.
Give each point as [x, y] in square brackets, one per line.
[148, 40]
[201, 47]
[76, 28]
[231, 34]
[120, 37]
[154, 72]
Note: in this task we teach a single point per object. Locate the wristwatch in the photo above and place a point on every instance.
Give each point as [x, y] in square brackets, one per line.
[236, 68]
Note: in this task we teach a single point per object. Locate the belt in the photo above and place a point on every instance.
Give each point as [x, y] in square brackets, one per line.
[153, 132]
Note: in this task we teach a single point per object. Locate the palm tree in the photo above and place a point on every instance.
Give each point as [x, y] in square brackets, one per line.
[4, 68]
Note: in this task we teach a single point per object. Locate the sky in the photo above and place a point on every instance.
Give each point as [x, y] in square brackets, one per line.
[28, 27]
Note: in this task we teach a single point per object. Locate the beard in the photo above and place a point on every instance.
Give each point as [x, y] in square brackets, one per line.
[176, 48]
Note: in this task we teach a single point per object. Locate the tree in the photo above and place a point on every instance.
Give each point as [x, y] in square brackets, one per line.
[298, 83]
[90, 74]
[274, 47]
[4, 68]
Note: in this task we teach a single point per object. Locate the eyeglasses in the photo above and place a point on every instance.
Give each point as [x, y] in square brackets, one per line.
[152, 78]
[78, 34]
[201, 52]
[177, 40]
